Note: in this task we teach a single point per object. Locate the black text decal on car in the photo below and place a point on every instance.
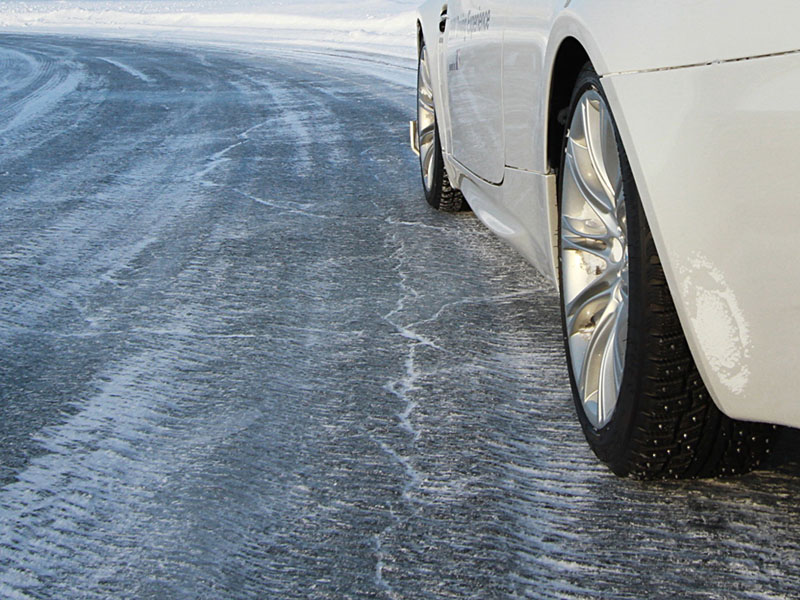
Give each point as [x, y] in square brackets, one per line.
[472, 22]
[455, 65]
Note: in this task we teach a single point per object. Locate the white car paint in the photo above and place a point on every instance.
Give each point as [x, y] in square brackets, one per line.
[474, 74]
[704, 95]
[717, 174]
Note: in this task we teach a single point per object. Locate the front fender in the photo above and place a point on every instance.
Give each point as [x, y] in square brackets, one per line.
[428, 29]
[646, 35]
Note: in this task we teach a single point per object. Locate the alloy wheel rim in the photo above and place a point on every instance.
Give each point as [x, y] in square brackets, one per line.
[594, 257]
[426, 120]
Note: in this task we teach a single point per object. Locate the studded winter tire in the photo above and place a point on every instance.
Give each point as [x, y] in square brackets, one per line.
[438, 191]
[640, 399]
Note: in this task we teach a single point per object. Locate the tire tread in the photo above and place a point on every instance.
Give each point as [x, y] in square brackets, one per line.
[450, 199]
[680, 432]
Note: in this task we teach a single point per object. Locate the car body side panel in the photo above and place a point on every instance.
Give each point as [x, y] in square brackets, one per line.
[637, 35]
[714, 154]
[619, 36]
[508, 212]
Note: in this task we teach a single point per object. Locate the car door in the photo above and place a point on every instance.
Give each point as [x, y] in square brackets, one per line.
[474, 75]
[526, 31]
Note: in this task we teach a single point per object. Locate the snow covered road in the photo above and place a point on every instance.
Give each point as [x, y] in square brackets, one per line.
[240, 358]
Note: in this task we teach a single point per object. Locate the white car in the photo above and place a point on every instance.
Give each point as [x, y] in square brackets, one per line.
[644, 155]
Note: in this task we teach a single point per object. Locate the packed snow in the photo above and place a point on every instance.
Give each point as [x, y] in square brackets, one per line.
[376, 26]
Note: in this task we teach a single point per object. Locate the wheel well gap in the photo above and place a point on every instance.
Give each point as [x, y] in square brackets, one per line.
[569, 61]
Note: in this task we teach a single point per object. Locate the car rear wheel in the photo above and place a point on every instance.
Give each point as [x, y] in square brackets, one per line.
[438, 191]
[639, 397]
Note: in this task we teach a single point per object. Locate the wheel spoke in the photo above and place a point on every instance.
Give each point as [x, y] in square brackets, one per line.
[601, 145]
[597, 376]
[571, 225]
[582, 170]
[620, 213]
[425, 71]
[620, 341]
[426, 134]
[427, 165]
[580, 243]
[426, 101]
[591, 301]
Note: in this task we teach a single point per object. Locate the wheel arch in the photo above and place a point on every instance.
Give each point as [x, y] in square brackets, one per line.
[567, 63]
[427, 23]
[570, 47]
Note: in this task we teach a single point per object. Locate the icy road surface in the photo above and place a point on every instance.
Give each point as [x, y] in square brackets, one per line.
[240, 358]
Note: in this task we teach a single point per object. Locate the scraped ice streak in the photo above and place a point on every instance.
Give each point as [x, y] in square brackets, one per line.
[129, 70]
[303, 127]
[404, 387]
[423, 490]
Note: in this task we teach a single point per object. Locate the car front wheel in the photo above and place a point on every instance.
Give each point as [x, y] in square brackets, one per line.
[438, 191]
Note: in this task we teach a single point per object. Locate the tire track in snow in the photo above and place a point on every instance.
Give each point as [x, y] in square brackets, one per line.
[41, 91]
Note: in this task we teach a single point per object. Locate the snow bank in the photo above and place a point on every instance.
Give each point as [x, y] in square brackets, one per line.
[376, 26]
